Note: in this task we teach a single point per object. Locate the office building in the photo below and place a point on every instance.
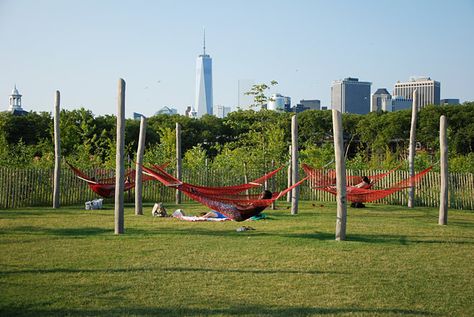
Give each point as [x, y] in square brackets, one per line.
[449, 101]
[222, 111]
[167, 110]
[381, 100]
[203, 101]
[190, 112]
[313, 104]
[137, 116]
[351, 96]
[277, 102]
[428, 91]
[400, 103]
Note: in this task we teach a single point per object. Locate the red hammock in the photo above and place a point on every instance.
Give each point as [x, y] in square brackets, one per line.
[105, 187]
[235, 207]
[321, 179]
[169, 180]
[360, 195]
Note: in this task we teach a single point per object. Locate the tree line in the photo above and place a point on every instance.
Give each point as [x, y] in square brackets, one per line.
[375, 140]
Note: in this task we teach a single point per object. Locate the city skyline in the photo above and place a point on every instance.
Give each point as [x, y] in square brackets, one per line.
[154, 45]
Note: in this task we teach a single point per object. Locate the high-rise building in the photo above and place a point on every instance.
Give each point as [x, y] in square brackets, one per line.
[190, 112]
[351, 95]
[222, 111]
[203, 101]
[449, 101]
[428, 91]
[401, 103]
[167, 110]
[381, 100]
[277, 102]
[137, 116]
[244, 101]
[312, 104]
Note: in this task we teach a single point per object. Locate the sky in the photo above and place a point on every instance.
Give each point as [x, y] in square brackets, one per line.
[83, 47]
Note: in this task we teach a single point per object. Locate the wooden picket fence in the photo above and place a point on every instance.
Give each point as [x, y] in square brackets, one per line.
[34, 187]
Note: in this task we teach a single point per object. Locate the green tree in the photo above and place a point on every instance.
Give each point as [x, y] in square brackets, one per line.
[258, 91]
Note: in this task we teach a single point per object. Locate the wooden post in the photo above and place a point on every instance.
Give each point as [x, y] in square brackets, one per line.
[246, 178]
[178, 160]
[295, 195]
[340, 176]
[138, 168]
[273, 185]
[290, 182]
[57, 152]
[119, 159]
[443, 148]
[412, 150]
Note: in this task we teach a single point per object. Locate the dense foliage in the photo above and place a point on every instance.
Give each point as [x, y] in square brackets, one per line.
[375, 140]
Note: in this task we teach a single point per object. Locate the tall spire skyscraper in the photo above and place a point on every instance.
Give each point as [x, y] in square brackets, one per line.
[203, 102]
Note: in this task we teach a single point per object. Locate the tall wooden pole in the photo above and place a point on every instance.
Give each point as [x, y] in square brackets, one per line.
[412, 150]
[273, 185]
[178, 160]
[57, 151]
[290, 173]
[443, 148]
[119, 159]
[138, 168]
[294, 165]
[340, 176]
[246, 178]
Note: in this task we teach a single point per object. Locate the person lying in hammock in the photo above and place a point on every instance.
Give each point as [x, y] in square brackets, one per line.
[238, 212]
[365, 184]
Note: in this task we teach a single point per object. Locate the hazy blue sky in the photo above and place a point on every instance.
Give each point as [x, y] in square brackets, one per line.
[83, 47]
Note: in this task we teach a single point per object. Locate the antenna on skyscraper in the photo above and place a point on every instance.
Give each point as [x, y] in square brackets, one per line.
[204, 42]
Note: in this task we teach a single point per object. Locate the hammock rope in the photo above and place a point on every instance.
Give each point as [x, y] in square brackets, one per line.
[105, 187]
[360, 195]
[320, 178]
[169, 180]
[234, 206]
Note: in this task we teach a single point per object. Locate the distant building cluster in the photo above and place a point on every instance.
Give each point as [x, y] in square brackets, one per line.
[349, 95]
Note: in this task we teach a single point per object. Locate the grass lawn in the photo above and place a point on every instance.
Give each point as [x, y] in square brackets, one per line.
[396, 261]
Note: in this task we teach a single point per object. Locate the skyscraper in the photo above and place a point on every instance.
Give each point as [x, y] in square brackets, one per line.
[351, 95]
[203, 101]
[428, 90]
[381, 100]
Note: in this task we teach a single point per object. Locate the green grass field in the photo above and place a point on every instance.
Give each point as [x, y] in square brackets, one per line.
[395, 262]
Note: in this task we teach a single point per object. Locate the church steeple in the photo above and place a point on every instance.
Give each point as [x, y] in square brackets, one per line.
[15, 102]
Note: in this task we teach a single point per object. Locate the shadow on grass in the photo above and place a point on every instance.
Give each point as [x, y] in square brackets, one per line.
[166, 270]
[236, 310]
[82, 232]
[67, 232]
